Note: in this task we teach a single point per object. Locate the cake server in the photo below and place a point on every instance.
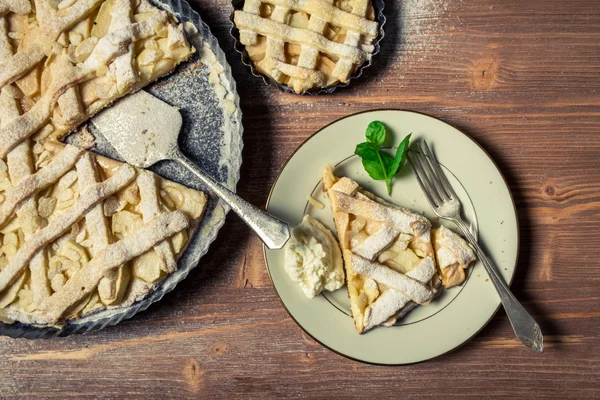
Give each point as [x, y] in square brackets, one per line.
[144, 130]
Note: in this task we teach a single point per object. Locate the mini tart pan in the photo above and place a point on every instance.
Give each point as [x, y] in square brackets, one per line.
[211, 136]
[378, 5]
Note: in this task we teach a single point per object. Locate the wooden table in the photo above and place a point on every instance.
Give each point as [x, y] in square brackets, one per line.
[523, 79]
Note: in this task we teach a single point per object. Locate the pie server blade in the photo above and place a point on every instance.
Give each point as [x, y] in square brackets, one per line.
[144, 130]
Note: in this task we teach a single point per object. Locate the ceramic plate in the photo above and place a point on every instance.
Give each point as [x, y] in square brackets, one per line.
[458, 313]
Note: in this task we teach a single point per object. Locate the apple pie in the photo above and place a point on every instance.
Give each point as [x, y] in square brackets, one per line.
[307, 44]
[389, 257]
[63, 61]
[79, 232]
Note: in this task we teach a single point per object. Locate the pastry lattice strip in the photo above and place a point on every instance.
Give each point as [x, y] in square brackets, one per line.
[150, 209]
[20, 167]
[19, 161]
[97, 226]
[54, 22]
[85, 280]
[70, 104]
[418, 292]
[309, 56]
[343, 68]
[17, 130]
[121, 18]
[312, 41]
[5, 46]
[63, 221]
[16, 6]
[392, 301]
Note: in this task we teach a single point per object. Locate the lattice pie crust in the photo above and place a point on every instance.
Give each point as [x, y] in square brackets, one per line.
[80, 232]
[389, 258]
[307, 44]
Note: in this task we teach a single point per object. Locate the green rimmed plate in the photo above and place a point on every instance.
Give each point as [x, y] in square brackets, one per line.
[458, 313]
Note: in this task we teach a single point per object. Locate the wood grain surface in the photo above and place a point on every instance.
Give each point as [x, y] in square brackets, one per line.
[523, 79]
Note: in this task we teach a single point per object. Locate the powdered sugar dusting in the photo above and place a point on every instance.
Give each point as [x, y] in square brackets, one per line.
[419, 20]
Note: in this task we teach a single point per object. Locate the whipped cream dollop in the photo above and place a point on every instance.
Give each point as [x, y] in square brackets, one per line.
[313, 258]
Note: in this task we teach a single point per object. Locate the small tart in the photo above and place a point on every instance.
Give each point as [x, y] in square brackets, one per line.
[307, 44]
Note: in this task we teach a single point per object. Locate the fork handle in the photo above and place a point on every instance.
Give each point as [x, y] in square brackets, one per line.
[272, 231]
[525, 327]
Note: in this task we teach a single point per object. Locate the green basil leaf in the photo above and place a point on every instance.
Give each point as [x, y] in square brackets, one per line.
[387, 162]
[374, 169]
[371, 163]
[380, 165]
[399, 157]
[364, 147]
[376, 133]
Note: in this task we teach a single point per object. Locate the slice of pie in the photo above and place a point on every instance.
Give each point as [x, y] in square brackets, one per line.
[388, 254]
[79, 232]
[307, 44]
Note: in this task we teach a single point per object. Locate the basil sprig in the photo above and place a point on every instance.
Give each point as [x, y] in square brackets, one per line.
[379, 164]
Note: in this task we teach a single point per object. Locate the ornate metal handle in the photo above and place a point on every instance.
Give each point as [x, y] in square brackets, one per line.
[272, 231]
[525, 327]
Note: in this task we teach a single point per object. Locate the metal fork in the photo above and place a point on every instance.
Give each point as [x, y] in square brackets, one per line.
[446, 205]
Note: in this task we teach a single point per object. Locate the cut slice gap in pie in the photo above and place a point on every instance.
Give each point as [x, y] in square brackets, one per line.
[389, 257]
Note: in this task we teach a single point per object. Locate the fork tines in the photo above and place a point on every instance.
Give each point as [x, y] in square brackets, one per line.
[430, 176]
